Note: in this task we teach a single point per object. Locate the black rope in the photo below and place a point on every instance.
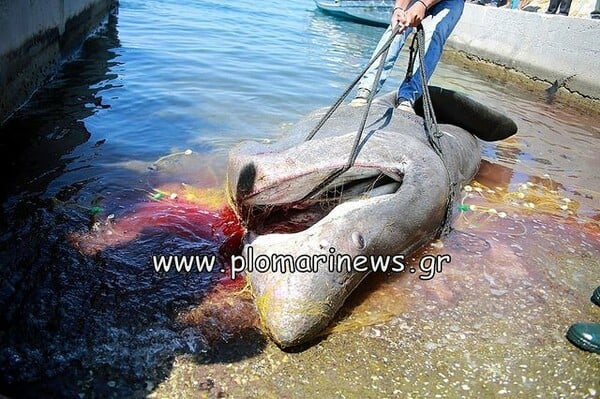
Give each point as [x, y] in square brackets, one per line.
[411, 59]
[430, 122]
[339, 101]
[382, 55]
[433, 132]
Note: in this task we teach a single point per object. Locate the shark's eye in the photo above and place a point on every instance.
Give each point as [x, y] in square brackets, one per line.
[358, 240]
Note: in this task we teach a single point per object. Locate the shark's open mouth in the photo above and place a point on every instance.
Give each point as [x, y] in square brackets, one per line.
[295, 213]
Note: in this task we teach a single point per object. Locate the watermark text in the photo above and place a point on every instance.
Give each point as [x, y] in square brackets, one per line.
[427, 266]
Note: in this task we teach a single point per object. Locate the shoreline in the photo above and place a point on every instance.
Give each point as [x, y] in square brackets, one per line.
[542, 47]
[520, 80]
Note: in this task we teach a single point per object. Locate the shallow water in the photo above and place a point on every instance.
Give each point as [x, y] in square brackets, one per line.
[164, 77]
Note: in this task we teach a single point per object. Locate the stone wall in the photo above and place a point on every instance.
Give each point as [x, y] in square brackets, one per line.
[542, 46]
[35, 36]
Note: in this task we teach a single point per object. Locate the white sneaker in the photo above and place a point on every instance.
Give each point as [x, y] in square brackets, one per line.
[362, 96]
[405, 105]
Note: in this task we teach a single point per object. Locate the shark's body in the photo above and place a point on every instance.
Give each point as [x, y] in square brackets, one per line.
[390, 202]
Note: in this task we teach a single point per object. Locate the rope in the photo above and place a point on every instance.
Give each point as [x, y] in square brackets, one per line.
[431, 126]
[339, 101]
[411, 59]
[432, 130]
[381, 54]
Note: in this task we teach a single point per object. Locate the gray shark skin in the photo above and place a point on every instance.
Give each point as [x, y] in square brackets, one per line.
[391, 202]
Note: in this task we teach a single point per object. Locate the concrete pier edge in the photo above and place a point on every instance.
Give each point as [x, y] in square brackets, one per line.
[36, 36]
[544, 48]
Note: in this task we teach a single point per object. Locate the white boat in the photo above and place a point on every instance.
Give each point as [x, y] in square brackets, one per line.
[376, 12]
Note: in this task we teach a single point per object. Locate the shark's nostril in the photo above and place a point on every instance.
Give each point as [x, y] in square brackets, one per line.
[245, 181]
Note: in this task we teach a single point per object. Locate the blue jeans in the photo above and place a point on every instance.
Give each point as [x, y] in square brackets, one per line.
[563, 7]
[439, 22]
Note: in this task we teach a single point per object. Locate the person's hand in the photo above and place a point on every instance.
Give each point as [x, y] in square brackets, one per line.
[415, 14]
[399, 18]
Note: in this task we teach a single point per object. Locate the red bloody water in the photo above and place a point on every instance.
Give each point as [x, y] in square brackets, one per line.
[194, 215]
[184, 218]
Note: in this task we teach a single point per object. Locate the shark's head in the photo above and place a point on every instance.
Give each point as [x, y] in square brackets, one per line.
[308, 247]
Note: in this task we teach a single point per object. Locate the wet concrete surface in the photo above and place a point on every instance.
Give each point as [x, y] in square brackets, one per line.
[490, 324]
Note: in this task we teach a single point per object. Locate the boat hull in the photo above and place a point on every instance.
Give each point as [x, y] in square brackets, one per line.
[373, 12]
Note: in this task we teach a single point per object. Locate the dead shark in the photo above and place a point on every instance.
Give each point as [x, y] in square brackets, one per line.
[304, 256]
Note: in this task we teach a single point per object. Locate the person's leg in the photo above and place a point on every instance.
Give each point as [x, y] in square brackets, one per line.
[368, 78]
[553, 6]
[596, 13]
[440, 21]
[565, 6]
